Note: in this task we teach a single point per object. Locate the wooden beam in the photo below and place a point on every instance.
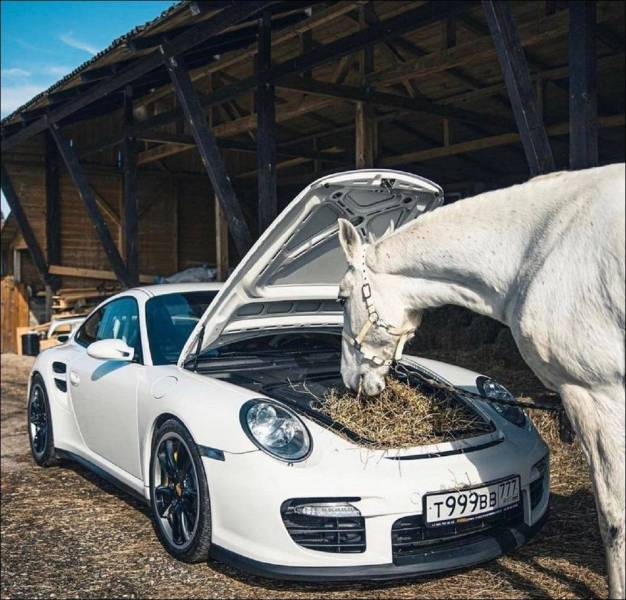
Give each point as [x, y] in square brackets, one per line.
[494, 141]
[368, 94]
[390, 28]
[209, 152]
[482, 49]
[517, 78]
[319, 19]
[238, 11]
[221, 241]
[86, 193]
[23, 223]
[53, 207]
[93, 273]
[365, 126]
[129, 165]
[583, 84]
[266, 128]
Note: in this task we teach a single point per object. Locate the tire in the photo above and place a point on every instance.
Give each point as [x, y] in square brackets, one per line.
[179, 494]
[39, 424]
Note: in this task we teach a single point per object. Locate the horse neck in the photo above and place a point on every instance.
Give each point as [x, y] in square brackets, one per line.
[469, 254]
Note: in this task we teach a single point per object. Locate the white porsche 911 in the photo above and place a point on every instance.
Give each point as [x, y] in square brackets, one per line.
[204, 401]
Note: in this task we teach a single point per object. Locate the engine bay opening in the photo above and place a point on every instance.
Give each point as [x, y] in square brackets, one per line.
[302, 370]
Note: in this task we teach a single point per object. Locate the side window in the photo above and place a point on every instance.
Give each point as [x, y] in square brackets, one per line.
[88, 333]
[119, 320]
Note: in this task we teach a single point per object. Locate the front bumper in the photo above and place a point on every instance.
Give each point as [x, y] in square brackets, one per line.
[463, 553]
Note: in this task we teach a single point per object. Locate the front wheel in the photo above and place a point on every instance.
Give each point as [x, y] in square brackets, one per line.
[40, 424]
[179, 494]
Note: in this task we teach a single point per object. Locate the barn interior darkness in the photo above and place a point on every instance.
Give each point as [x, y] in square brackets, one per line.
[179, 143]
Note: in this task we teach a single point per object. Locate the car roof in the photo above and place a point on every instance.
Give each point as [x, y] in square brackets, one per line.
[161, 289]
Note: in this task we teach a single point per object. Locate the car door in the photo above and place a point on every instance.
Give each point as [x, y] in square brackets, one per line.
[104, 392]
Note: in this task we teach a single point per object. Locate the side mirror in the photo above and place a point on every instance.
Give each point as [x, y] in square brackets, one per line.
[111, 349]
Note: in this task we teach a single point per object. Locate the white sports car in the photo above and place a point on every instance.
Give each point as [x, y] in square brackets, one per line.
[204, 401]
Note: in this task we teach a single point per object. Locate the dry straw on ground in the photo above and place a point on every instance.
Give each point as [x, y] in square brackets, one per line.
[403, 416]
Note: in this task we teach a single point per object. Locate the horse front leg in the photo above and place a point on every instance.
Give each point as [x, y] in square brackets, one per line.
[597, 416]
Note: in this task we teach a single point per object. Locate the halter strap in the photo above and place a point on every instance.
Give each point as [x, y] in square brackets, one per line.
[374, 320]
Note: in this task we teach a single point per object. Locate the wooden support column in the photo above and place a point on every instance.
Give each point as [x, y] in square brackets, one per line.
[22, 221]
[209, 152]
[517, 78]
[129, 164]
[53, 215]
[583, 99]
[266, 128]
[221, 242]
[86, 193]
[364, 121]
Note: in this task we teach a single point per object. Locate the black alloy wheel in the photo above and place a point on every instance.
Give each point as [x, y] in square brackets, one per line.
[40, 424]
[179, 494]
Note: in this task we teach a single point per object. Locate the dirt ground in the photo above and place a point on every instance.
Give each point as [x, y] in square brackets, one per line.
[68, 534]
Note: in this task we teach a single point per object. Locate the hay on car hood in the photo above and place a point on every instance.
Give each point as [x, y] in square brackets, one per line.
[403, 416]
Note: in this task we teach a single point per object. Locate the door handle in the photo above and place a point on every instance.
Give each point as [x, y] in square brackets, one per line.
[74, 378]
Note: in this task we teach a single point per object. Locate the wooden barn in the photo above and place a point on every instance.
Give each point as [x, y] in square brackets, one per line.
[179, 143]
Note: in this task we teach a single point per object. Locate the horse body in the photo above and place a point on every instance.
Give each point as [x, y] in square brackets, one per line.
[547, 259]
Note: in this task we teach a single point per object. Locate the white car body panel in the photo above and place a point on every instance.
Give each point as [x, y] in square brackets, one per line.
[110, 409]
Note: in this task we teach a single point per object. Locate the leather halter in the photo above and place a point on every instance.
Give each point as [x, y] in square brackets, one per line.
[374, 320]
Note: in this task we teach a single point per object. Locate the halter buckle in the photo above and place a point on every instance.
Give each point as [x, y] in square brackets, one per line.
[367, 291]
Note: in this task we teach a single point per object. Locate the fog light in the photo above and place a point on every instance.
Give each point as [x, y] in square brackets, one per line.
[327, 509]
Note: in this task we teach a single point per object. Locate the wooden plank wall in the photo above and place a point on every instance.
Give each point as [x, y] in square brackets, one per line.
[160, 252]
[196, 223]
[14, 308]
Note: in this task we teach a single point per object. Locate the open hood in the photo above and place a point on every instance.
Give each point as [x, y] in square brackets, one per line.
[291, 274]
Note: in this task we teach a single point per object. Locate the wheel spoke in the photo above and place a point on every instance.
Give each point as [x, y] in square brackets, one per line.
[163, 496]
[174, 519]
[184, 523]
[184, 463]
[172, 469]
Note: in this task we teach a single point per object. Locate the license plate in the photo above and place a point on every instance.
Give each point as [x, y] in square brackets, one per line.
[471, 503]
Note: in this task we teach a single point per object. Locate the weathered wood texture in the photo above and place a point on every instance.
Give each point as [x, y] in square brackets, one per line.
[266, 128]
[521, 94]
[14, 310]
[583, 93]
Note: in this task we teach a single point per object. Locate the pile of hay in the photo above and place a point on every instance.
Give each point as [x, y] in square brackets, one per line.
[403, 416]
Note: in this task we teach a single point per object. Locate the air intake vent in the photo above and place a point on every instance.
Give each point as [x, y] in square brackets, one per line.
[338, 534]
[59, 367]
[412, 541]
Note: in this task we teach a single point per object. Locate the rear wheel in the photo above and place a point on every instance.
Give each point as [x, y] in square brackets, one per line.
[40, 424]
[179, 494]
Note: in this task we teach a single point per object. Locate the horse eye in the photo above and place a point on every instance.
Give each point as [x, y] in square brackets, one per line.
[341, 300]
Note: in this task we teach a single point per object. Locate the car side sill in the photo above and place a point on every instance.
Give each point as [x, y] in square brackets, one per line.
[100, 472]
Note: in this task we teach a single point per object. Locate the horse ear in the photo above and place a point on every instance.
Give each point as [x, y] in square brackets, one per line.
[371, 238]
[350, 241]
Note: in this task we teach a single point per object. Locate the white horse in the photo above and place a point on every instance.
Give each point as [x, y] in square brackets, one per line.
[545, 258]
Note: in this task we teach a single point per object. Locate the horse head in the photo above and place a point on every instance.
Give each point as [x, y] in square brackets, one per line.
[376, 323]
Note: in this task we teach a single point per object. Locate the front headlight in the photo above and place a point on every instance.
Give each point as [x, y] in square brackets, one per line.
[275, 430]
[492, 390]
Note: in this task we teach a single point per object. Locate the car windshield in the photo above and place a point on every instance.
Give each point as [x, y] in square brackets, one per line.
[171, 319]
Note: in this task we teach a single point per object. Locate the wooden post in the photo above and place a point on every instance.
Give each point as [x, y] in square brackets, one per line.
[89, 200]
[129, 164]
[209, 152]
[22, 221]
[221, 242]
[53, 218]
[266, 128]
[517, 78]
[583, 100]
[364, 121]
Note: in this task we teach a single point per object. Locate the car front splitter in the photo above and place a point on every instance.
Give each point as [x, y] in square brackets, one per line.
[464, 554]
